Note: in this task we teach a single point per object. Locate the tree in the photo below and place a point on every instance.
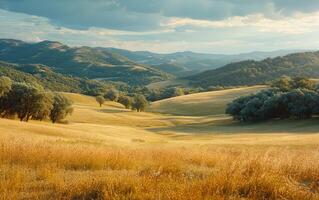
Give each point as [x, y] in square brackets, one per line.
[61, 108]
[5, 85]
[301, 103]
[287, 84]
[126, 101]
[27, 101]
[173, 92]
[236, 106]
[261, 106]
[112, 95]
[100, 99]
[44, 106]
[303, 83]
[284, 83]
[139, 103]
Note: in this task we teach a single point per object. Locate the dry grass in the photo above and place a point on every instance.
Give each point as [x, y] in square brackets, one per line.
[31, 170]
[112, 153]
[206, 103]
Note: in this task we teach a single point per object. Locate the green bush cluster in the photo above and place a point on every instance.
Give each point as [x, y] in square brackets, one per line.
[31, 101]
[300, 100]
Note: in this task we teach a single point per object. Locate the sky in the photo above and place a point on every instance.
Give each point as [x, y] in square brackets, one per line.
[207, 26]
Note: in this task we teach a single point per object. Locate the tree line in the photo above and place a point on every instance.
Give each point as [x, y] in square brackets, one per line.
[31, 101]
[138, 102]
[287, 98]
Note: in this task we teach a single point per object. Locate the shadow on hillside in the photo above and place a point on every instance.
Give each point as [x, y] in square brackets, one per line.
[228, 126]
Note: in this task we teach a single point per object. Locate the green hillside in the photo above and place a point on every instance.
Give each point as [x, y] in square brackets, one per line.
[79, 61]
[257, 72]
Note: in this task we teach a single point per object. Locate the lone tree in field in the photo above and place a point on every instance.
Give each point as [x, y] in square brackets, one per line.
[100, 99]
[126, 101]
[61, 108]
[112, 95]
[139, 103]
[5, 85]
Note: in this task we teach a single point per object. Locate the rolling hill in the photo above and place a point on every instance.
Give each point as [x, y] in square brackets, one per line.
[201, 104]
[252, 72]
[92, 63]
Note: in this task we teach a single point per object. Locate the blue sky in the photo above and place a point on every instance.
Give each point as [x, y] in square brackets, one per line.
[211, 26]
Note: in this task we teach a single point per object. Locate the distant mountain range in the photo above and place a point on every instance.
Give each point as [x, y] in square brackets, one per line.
[252, 72]
[187, 63]
[81, 65]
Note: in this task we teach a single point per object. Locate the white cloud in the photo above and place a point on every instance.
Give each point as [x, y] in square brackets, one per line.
[299, 23]
[232, 35]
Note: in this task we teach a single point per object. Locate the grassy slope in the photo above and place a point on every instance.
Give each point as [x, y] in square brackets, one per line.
[111, 152]
[168, 83]
[208, 103]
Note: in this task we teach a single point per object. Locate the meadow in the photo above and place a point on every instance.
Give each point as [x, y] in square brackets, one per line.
[183, 148]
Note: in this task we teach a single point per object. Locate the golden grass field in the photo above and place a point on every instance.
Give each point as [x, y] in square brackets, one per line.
[186, 148]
